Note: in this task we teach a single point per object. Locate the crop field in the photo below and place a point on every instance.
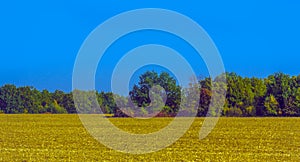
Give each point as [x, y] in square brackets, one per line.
[63, 138]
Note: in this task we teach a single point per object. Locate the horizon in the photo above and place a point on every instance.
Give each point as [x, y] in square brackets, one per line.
[136, 76]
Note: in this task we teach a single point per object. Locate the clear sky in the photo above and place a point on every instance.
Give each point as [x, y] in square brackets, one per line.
[39, 40]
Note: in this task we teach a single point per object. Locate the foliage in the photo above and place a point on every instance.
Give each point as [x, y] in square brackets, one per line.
[275, 95]
[164, 84]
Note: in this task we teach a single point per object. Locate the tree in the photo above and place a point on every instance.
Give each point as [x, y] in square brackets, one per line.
[205, 96]
[272, 106]
[259, 89]
[239, 93]
[55, 108]
[278, 85]
[140, 92]
[190, 98]
[28, 100]
[276, 95]
[58, 96]
[68, 103]
[9, 99]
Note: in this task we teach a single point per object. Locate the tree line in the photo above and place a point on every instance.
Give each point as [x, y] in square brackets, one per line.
[275, 95]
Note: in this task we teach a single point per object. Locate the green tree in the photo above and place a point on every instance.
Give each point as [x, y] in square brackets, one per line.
[205, 96]
[259, 89]
[279, 86]
[240, 93]
[68, 103]
[272, 106]
[28, 100]
[55, 108]
[9, 99]
[140, 92]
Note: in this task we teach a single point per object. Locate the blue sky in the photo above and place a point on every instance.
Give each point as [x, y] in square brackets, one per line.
[39, 40]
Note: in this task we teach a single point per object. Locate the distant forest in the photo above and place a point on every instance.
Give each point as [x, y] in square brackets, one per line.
[276, 95]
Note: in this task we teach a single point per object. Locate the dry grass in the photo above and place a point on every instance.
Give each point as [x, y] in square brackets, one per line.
[63, 138]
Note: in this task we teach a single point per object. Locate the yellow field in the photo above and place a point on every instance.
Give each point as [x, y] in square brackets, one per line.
[63, 138]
